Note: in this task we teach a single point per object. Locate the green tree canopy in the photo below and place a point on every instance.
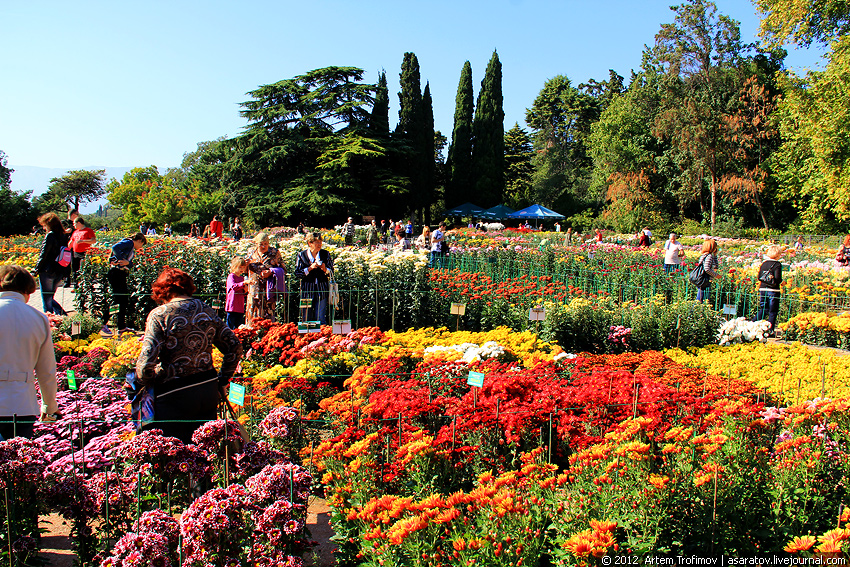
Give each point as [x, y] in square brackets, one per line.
[79, 186]
[488, 135]
[459, 160]
[519, 170]
[803, 21]
[560, 121]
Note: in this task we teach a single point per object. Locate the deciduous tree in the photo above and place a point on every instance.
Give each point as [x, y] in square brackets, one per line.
[518, 168]
[79, 186]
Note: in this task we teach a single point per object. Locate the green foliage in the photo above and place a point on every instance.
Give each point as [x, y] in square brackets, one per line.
[89, 325]
[146, 196]
[312, 151]
[15, 208]
[583, 325]
[79, 186]
[488, 134]
[519, 169]
[561, 119]
[803, 21]
[460, 152]
[812, 163]
[379, 122]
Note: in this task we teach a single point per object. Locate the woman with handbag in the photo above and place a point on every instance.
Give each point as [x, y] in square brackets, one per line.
[842, 257]
[262, 265]
[50, 271]
[770, 280]
[175, 366]
[314, 267]
[708, 262]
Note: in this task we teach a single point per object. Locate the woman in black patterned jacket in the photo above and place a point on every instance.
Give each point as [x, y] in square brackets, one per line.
[176, 359]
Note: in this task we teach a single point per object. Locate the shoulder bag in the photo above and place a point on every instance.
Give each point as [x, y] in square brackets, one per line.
[697, 276]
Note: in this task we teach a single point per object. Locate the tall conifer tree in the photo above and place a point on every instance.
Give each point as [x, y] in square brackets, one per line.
[427, 153]
[459, 161]
[412, 131]
[410, 97]
[488, 138]
[379, 121]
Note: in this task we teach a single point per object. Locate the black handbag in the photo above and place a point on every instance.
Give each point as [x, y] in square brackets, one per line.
[698, 277]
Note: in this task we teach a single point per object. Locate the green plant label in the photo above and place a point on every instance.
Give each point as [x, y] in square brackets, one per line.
[113, 310]
[72, 380]
[476, 379]
[306, 303]
[309, 327]
[216, 304]
[237, 394]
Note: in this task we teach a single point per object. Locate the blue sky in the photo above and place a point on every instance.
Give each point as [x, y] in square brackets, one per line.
[124, 84]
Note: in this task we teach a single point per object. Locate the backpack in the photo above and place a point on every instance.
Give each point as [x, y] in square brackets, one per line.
[64, 257]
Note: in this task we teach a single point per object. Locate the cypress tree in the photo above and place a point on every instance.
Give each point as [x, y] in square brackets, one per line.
[459, 162]
[379, 121]
[412, 132]
[410, 97]
[488, 135]
[428, 154]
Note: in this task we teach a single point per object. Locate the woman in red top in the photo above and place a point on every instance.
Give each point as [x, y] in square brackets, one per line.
[81, 240]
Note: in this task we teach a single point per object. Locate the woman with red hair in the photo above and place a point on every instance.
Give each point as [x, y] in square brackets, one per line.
[175, 366]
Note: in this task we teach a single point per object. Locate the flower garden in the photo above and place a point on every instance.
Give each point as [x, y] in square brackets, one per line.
[616, 425]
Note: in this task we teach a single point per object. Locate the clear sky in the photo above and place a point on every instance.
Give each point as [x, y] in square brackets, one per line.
[128, 83]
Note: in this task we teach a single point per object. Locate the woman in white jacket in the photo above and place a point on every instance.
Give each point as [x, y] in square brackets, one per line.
[26, 353]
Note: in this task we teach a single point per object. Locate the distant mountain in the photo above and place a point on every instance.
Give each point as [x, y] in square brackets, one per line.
[37, 179]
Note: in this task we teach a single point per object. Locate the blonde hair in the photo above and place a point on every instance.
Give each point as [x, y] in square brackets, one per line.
[312, 237]
[426, 230]
[709, 246]
[236, 263]
[775, 251]
[261, 237]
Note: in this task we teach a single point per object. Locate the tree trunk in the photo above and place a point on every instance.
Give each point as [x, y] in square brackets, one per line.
[713, 202]
[761, 210]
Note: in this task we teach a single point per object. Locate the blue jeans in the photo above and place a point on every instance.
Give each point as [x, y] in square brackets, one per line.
[702, 294]
[768, 307]
[49, 283]
[233, 319]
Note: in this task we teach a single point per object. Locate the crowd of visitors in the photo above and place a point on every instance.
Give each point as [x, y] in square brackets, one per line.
[175, 387]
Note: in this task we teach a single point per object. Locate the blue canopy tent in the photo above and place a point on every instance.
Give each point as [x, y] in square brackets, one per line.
[536, 212]
[464, 210]
[499, 212]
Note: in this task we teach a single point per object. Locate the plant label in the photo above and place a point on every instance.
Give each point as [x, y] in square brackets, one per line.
[309, 327]
[236, 394]
[476, 379]
[537, 314]
[730, 308]
[76, 328]
[216, 304]
[458, 309]
[72, 380]
[113, 310]
[306, 303]
[342, 327]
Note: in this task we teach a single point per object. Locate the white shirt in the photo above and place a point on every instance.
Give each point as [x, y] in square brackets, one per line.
[671, 252]
[25, 345]
[312, 260]
[436, 238]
